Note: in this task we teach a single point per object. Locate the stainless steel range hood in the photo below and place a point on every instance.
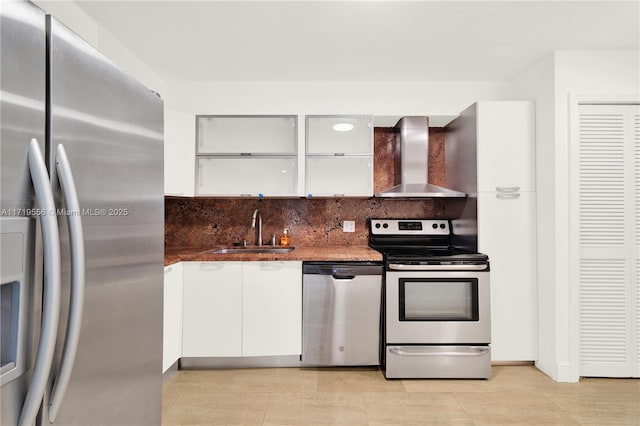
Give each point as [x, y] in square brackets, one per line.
[412, 163]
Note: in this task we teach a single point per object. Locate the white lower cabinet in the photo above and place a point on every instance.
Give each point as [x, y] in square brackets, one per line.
[212, 318]
[272, 308]
[172, 316]
[507, 233]
[242, 309]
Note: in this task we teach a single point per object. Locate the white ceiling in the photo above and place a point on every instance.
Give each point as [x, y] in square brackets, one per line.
[360, 40]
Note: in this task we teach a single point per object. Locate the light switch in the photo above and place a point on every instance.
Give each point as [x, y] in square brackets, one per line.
[349, 226]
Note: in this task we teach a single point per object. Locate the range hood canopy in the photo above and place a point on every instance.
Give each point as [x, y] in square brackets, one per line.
[412, 163]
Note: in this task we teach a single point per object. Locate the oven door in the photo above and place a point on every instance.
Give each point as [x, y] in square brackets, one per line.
[432, 307]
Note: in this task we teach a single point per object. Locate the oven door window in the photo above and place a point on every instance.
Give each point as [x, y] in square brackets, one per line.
[438, 299]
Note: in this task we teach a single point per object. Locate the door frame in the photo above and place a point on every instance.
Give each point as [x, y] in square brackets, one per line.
[574, 101]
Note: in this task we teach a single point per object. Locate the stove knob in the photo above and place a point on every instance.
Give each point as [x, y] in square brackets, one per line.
[434, 226]
[442, 226]
[377, 226]
[385, 225]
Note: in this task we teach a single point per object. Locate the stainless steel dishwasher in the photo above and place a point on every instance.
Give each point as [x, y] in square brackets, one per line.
[341, 313]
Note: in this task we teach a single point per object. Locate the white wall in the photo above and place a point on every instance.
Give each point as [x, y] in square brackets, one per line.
[537, 84]
[593, 73]
[377, 98]
[552, 82]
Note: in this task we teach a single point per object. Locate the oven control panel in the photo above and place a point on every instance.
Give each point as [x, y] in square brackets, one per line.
[409, 226]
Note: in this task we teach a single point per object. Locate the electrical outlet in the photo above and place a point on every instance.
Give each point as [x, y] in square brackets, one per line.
[349, 226]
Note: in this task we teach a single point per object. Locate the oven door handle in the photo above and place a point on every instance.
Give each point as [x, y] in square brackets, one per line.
[401, 267]
[426, 351]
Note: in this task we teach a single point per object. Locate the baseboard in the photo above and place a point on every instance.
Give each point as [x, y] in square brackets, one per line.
[171, 371]
[240, 362]
[565, 373]
[498, 363]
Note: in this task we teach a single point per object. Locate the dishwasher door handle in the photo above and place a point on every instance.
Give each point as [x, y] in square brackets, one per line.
[343, 277]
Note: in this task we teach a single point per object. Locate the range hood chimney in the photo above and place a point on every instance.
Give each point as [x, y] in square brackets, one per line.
[412, 163]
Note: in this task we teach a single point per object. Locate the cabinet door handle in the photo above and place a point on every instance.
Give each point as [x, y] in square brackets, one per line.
[508, 196]
[271, 266]
[507, 188]
[212, 266]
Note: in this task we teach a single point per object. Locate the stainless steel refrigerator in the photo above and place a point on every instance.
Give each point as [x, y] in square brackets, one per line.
[81, 155]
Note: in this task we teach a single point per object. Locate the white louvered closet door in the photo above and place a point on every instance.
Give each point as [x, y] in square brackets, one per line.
[609, 240]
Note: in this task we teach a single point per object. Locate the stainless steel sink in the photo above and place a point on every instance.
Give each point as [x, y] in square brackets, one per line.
[237, 250]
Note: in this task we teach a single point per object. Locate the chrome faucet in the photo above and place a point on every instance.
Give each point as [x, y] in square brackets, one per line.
[256, 214]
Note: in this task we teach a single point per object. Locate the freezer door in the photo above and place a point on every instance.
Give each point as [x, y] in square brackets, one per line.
[112, 130]
[22, 118]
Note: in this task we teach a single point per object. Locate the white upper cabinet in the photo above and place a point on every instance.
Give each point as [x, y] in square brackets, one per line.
[506, 146]
[260, 135]
[347, 135]
[339, 160]
[250, 176]
[179, 151]
[247, 156]
[339, 176]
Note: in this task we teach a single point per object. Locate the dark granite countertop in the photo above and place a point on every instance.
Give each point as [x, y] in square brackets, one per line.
[314, 253]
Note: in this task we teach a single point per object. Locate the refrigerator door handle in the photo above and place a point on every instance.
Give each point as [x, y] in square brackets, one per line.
[51, 292]
[76, 304]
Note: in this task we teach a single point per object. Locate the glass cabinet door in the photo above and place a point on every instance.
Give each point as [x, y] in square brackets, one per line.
[254, 176]
[247, 134]
[349, 135]
[340, 176]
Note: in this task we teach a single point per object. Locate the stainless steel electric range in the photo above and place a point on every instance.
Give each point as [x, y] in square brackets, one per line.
[436, 301]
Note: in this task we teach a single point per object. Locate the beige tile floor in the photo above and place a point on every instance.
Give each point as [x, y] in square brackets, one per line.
[514, 395]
